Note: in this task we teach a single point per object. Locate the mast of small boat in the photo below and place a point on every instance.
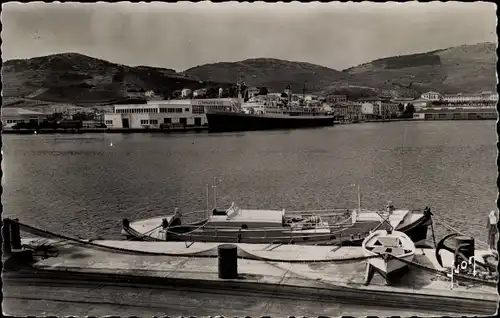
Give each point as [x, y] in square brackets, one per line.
[215, 192]
[208, 193]
[359, 200]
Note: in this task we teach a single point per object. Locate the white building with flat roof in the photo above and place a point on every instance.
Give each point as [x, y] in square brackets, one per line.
[432, 96]
[185, 112]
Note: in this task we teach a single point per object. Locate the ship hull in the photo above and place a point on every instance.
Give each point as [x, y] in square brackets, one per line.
[219, 121]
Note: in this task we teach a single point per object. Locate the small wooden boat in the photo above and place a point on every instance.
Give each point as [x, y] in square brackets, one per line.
[275, 226]
[320, 227]
[387, 243]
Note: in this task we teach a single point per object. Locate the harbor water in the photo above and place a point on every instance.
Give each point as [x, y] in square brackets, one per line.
[83, 185]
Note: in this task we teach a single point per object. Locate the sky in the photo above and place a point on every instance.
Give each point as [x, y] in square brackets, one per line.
[184, 35]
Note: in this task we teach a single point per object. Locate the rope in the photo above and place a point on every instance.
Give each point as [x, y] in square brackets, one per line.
[180, 226]
[246, 255]
[433, 235]
[242, 255]
[144, 234]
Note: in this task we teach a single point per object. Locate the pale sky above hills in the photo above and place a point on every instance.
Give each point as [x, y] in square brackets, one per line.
[184, 35]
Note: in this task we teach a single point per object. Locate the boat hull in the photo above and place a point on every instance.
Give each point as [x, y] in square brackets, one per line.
[221, 121]
[347, 235]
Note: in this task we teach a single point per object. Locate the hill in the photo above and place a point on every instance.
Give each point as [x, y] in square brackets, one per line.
[466, 68]
[273, 73]
[72, 78]
[83, 80]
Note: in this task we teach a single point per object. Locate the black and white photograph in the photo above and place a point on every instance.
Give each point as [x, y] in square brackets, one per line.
[236, 159]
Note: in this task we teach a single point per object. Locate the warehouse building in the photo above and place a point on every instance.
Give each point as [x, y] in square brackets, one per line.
[457, 113]
[175, 112]
[12, 116]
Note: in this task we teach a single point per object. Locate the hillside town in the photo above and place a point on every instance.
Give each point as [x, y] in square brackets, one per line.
[187, 108]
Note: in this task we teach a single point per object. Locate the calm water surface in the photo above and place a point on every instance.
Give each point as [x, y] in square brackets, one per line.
[82, 186]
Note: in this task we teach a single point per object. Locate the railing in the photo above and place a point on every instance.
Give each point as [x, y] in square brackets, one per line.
[278, 228]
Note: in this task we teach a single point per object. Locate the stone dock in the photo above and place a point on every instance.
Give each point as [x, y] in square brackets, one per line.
[295, 272]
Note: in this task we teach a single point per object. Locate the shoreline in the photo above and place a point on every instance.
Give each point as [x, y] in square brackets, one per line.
[188, 129]
[103, 130]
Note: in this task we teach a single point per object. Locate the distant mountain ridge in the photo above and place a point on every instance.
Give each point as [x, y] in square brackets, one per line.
[275, 74]
[79, 79]
[466, 68]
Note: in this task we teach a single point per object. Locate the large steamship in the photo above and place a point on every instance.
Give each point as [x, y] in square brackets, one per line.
[246, 116]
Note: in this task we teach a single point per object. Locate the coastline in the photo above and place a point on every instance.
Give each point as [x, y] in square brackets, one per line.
[189, 128]
[104, 130]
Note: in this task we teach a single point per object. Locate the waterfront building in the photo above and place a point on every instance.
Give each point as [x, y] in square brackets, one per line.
[340, 111]
[419, 103]
[183, 112]
[486, 96]
[432, 96]
[200, 92]
[354, 111]
[447, 113]
[12, 116]
[370, 110]
[310, 97]
[337, 98]
[186, 92]
[389, 108]
[403, 101]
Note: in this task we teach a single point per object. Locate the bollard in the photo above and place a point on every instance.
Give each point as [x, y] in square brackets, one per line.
[15, 235]
[6, 248]
[228, 261]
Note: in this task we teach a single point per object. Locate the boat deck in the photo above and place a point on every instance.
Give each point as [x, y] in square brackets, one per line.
[300, 273]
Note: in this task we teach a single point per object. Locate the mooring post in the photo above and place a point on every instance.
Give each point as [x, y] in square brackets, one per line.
[6, 246]
[15, 234]
[228, 261]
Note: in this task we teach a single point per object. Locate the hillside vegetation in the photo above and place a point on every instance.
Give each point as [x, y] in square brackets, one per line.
[272, 73]
[82, 80]
[79, 79]
[467, 68]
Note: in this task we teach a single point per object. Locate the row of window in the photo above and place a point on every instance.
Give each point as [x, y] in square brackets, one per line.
[172, 110]
[150, 110]
[14, 121]
[198, 109]
[136, 110]
[149, 122]
[108, 122]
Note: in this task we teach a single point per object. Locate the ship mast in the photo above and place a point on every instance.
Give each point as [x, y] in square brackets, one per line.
[304, 94]
[239, 99]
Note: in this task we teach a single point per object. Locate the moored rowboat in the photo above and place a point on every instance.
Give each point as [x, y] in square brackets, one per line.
[396, 249]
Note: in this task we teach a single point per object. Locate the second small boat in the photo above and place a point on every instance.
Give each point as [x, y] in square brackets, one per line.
[395, 249]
